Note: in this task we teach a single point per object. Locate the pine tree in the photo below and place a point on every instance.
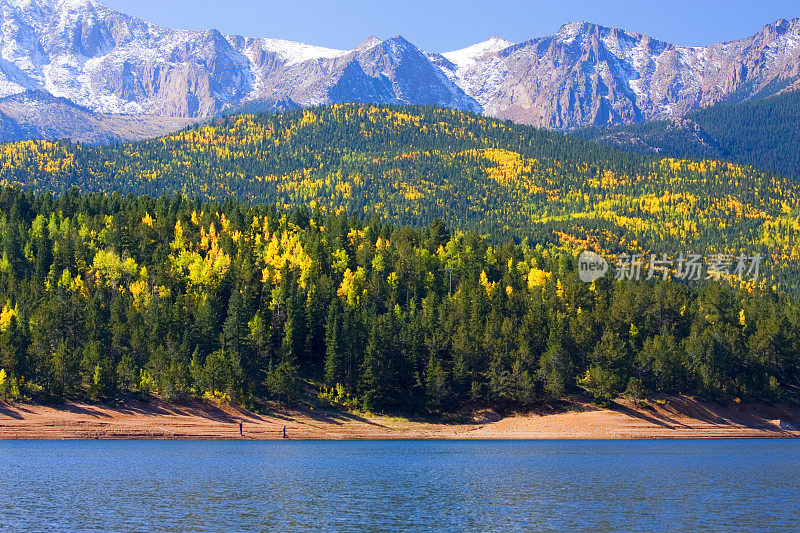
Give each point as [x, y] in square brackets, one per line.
[13, 350]
[555, 367]
[436, 389]
[235, 330]
[335, 368]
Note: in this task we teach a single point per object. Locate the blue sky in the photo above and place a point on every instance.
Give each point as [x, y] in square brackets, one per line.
[443, 25]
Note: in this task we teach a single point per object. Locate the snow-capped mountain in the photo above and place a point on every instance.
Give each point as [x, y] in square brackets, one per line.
[588, 74]
[478, 69]
[112, 63]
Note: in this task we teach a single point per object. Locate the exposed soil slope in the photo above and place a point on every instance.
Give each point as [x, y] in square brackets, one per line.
[679, 417]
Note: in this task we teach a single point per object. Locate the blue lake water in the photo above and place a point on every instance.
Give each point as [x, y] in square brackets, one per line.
[551, 485]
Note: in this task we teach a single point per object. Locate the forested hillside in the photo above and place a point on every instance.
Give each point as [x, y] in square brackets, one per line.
[763, 133]
[413, 165]
[109, 295]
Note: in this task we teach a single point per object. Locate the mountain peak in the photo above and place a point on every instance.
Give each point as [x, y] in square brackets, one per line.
[781, 25]
[398, 45]
[369, 42]
[571, 30]
[399, 39]
[498, 40]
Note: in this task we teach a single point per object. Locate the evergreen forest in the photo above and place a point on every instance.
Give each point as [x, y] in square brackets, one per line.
[105, 295]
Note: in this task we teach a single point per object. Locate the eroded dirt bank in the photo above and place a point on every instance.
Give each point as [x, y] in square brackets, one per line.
[676, 417]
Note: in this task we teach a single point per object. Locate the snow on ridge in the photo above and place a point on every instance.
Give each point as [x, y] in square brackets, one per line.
[466, 56]
[294, 52]
[479, 71]
[570, 31]
[75, 4]
[30, 4]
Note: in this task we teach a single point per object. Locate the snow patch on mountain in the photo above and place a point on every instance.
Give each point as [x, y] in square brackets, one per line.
[466, 57]
[570, 31]
[294, 52]
[478, 69]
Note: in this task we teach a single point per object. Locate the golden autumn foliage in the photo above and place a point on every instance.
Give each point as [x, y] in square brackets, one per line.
[413, 164]
[5, 317]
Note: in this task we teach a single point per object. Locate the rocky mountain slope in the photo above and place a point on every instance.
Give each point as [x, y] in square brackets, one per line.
[40, 115]
[590, 75]
[113, 63]
[586, 74]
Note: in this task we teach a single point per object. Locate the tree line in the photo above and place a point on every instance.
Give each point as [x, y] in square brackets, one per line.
[107, 295]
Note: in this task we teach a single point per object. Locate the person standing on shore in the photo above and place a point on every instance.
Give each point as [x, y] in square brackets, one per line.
[240, 428]
[284, 432]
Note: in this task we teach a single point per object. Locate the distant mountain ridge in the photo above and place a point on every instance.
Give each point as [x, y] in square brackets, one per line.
[37, 114]
[586, 74]
[113, 63]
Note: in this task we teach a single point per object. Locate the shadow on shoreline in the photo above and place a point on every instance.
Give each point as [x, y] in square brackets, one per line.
[668, 412]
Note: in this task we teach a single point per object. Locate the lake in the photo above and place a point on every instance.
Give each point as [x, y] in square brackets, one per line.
[398, 485]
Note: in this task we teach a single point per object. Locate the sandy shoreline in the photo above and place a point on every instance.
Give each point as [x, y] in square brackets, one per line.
[676, 417]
